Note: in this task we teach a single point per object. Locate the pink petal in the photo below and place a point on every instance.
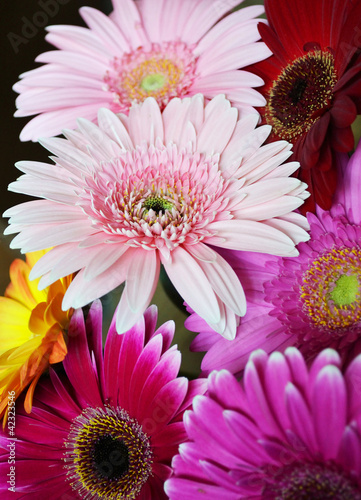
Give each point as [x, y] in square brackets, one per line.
[107, 31]
[250, 236]
[192, 284]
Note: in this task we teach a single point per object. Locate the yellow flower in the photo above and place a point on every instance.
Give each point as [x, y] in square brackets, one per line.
[32, 331]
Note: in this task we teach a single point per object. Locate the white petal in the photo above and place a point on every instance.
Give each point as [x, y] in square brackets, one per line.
[251, 236]
[192, 284]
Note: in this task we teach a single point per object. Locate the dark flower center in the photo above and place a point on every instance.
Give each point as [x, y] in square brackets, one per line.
[301, 94]
[111, 457]
[311, 481]
[108, 455]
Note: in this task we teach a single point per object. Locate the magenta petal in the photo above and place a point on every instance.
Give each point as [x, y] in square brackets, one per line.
[329, 410]
[325, 358]
[171, 435]
[258, 402]
[353, 382]
[78, 363]
[225, 388]
[182, 488]
[166, 370]
[277, 377]
[150, 322]
[127, 356]
[164, 406]
[301, 418]
[349, 455]
[167, 332]
[46, 434]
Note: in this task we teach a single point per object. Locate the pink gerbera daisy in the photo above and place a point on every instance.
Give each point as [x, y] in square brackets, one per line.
[312, 301]
[151, 188]
[110, 429]
[285, 432]
[150, 48]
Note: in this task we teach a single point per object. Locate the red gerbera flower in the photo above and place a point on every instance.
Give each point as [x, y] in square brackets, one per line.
[313, 84]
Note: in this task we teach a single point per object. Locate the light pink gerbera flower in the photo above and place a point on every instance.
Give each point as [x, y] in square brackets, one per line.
[111, 427]
[150, 48]
[285, 432]
[156, 188]
[312, 301]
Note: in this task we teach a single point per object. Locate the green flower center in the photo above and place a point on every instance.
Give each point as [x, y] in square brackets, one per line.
[150, 83]
[157, 204]
[346, 290]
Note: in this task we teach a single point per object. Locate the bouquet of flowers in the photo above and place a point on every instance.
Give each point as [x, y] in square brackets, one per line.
[215, 143]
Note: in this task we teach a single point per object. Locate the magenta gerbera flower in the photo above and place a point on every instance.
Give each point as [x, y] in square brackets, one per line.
[111, 428]
[312, 301]
[283, 433]
[148, 48]
[312, 84]
[159, 188]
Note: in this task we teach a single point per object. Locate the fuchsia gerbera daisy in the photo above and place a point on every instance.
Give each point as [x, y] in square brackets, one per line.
[312, 84]
[150, 48]
[111, 428]
[312, 301]
[159, 188]
[285, 432]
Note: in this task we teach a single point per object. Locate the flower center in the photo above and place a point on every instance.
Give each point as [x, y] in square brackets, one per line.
[311, 481]
[157, 204]
[300, 94]
[331, 289]
[346, 291]
[156, 197]
[153, 82]
[108, 455]
[163, 71]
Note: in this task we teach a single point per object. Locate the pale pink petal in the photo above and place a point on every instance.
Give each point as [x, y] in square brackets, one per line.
[145, 122]
[108, 32]
[81, 291]
[203, 16]
[213, 140]
[53, 99]
[113, 127]
[235, 58]
[47, 124]
[126, 16]
[78, 39]
[229, 24]
[224, 282]
[79, 62]
[251, 236]
[192, 284]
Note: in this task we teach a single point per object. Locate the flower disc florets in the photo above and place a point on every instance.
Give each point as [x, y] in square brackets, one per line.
[300, 95]
[156, 194]
[162, 71]
[109, 456]
[304, 481]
